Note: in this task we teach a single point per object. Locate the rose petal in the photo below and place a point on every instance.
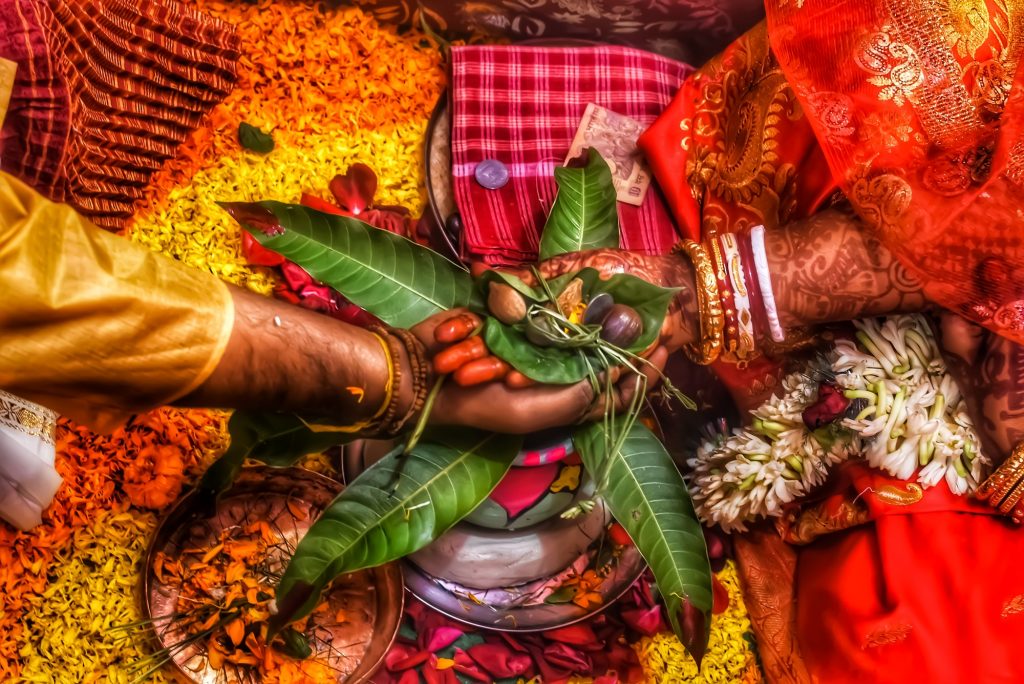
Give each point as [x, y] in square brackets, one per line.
[314, 202]
[467, 666]
[547, 671]
[295, 276]
[281, 291]
[578, 635]
[434, 676]
[403, 656]
[646, 621]
[720, 596]
[354, 190]
[499, 660]
[258, 255]
[830, 406]
[565, 657]
[410, 677]
[442, 637]
[390, 221]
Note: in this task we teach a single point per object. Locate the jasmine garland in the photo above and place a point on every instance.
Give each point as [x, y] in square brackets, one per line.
[908, 419]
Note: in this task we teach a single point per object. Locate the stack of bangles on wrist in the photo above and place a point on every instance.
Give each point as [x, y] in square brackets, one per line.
[387, 422]
[734, 296]
[1004, 488]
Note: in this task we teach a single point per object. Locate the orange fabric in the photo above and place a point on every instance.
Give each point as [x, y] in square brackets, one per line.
[912, 110]
[935, 597]
[732, 151]
[920, 111]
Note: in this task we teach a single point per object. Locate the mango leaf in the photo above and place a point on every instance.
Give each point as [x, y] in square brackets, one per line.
[252, 138]
[393, 278]
[531, 294]
[585, 213]
[396, 507]
[565, 366]
[647, 495]
[550, 365]
[277, 439]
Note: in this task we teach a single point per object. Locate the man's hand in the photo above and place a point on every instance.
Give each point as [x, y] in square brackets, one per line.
[516, 407]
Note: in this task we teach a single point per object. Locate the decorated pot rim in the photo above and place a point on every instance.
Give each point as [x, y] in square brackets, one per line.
[545, 448]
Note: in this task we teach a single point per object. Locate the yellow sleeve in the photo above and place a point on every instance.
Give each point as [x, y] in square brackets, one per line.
[93, 325]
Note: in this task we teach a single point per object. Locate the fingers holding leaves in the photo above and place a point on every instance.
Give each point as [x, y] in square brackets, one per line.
[466, 357]
[624, 390]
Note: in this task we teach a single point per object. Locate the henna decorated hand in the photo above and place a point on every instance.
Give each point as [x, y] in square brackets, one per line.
[990, 372]
[669, 270]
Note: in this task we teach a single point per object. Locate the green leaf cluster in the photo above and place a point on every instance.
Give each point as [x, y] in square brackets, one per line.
[407, 500]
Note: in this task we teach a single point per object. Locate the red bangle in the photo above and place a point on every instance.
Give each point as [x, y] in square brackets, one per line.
[757, 314]
[731, 330]
[745, 336]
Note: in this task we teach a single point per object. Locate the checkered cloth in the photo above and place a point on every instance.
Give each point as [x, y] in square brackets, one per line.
[522, 106]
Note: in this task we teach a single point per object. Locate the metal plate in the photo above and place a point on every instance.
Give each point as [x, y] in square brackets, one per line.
[535, 618]
[371, 600]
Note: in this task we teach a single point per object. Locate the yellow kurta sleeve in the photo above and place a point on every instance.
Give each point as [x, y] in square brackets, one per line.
[93, 325]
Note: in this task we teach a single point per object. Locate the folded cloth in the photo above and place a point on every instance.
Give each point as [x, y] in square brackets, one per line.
[521, 106]
[104, 92]
[28, 480]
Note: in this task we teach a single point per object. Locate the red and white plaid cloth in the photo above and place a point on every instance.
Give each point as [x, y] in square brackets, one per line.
[522, 106]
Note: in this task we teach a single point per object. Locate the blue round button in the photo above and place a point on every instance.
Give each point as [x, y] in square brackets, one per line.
[491, 174]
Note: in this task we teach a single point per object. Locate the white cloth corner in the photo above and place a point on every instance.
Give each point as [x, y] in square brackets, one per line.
[28, 479]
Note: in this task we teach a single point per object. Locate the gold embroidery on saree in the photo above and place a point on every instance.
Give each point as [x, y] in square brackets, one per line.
[833, 110]
[886, 129]
[897, 496]
[895, 66]
[882, 200]
[735, 156]
[805, 525]
[942, 102]
[886, 635]
[968, 25]
[956, 173]
[1013, 607]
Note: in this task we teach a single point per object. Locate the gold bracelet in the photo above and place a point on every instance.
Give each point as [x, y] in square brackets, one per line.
[389, 386]
[1004, 488]
[383, 423]
[709, 304]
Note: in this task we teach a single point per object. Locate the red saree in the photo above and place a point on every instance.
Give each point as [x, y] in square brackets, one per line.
[912, 110]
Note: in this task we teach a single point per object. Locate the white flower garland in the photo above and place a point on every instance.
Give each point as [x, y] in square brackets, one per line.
[913, 420]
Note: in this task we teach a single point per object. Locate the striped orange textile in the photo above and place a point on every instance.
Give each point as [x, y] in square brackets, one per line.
[104, 92]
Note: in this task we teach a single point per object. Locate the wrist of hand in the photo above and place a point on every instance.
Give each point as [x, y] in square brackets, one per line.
[682, 324]
[410, 383]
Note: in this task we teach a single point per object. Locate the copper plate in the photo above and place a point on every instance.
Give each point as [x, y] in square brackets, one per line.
[372, 600]
[536, 618]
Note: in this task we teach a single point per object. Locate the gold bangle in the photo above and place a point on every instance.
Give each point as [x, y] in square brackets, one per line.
[389, 386]
[1004, 488]
[709, 304]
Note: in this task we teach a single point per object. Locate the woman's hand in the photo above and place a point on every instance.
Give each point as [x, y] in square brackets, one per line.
[668, 270]
[988, 368]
